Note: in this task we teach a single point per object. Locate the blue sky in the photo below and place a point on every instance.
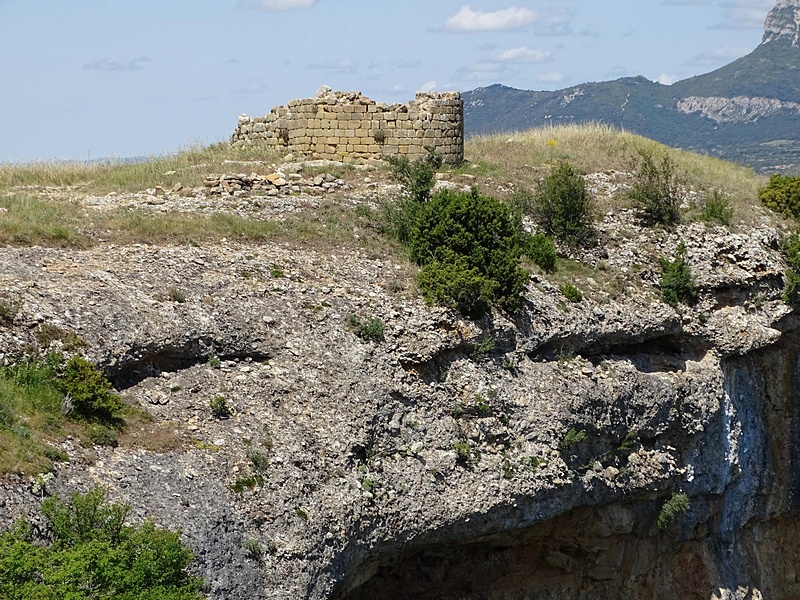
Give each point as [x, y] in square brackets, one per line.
[116, 78]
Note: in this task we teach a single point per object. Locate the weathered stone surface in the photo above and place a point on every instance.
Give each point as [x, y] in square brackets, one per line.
[414, 467]
[339, 115]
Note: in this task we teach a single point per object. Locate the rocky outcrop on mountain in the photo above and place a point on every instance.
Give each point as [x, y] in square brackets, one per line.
[524, 456]
[736, 110]
[783, 23]
[745, 111]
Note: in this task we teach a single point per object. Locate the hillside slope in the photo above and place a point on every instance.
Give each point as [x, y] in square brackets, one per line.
[535, 455]
[747, 111]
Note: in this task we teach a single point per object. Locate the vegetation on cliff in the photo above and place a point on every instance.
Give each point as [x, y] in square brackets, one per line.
[94, 554]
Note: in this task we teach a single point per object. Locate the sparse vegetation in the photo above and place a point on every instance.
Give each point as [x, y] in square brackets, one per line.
[483, 348]
[677, 283]
[92, 549]
[572, 437]
[220, 407]
[253, 549]
[657, 189]
[247, 482]
[370, 330]
[716, 209]
[791, 282]
[570, 292]
[47, 333]
[563, 206]
[677, 505]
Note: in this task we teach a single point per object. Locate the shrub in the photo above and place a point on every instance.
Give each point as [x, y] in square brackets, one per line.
[9, 308]
[469, 246]
[677, 284]
[456, 285]
[541, 250]
[562, 206]
[89, 390]
[253, 549]
[570, 292]
[93, 554]
[48, 333]
[791, 284]
[418, 177]
[677, 505]
[370, 330]
[572, 437]
[219, 407]
[716, 209]
[100, 435]
[656, 191]
[782, 195]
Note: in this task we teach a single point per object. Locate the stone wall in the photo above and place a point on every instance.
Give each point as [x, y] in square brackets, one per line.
[348, 125]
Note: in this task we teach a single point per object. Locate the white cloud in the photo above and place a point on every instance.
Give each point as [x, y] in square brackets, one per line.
[665, 79]
[522, 55]
[469, 20]
[343, 65]
[552, 77]
[746, 14]
[277, 5]
[719, 56]
[106, 64]
[428, 86]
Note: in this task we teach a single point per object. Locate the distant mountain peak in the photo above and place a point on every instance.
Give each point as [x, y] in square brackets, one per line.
[783, 22]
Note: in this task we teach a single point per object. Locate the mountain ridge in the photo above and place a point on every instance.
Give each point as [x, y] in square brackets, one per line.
[747, 111]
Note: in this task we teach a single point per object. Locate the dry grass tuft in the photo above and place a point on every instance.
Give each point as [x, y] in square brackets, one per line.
[525, 157]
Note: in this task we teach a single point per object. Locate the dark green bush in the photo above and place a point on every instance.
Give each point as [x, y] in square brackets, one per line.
[782, 194]
[541, 250]
[469, 246]
[89, 390]
[219, 407]
[563, 207]
[677, 283]
[94, 555]
[455, 285]
[656, 190]
[370, 330]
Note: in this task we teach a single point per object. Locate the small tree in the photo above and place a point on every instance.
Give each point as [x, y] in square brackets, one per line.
[782, 194]
[563, 207]
[677, 284]
[656, 190]
[469, 247]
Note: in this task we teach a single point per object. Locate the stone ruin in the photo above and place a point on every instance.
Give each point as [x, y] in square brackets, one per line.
[347, 126]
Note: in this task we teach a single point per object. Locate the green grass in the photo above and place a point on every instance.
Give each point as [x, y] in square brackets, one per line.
[595, 147]
[187, 167]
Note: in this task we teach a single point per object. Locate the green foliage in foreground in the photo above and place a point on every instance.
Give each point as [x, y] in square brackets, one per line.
[782, 195]
[94, 555]
[677, 283]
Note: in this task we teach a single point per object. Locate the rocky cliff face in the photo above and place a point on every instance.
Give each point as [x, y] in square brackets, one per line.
[432, 463]
[783, 23]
